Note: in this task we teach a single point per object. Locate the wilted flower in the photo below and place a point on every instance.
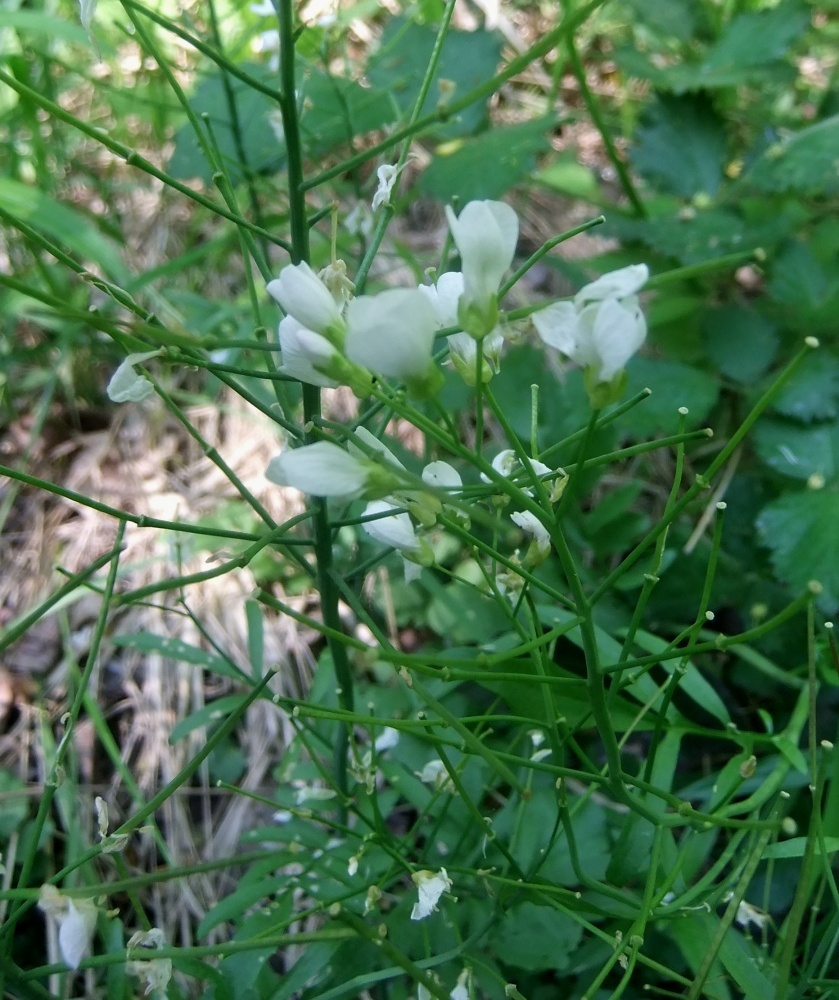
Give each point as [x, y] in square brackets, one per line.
[156, 971]
[600, 330]
[431, 886]
[486, 233]
[387, 175]
[127, 385]
[436, 774]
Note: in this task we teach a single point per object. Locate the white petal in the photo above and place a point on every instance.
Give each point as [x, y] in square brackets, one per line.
[486, 233]
[387, 739]
[127, 385]
[392, 333]
[76, 931]
[322, 469]
[461, 990]
[314, 793]
[533, 526]
[376, 445]
[615, 284]
[304, 296]
[442, 476]
[444, 296]
[557, 325]
[463, 348]
[302, 350]
[619, 330]
[395, 530]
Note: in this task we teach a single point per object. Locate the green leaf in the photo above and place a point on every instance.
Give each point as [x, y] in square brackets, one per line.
[488, 165]
[804, 163]
[568, 176]
[681, 146]
[260, 148]
[463, 614]
[669, 18]
[798, 451]
[536, 938]
[739, 341]
[802, 532]
[215, 711]
[335, 110]
[812, 392]
[177, 649]
[64, 225]
[15, 805]
[468, 58]
[796, 847]
[673, 385]
[808, 288]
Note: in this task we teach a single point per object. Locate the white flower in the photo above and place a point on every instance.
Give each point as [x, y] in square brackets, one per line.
[507, 464]
[486, 233]
[304, 296]
[435, 773]
[313, 793]
[461, 990]
[76, 923]
[748, 914]
[387, 175]
[325, 470]
[375, 445]
[431, 886]
[392, 334]
[603, 327]
[387, 739]
[541, 544]
[126, 385]
[305, 354]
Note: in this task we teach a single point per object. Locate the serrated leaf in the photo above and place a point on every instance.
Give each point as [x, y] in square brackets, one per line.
[467, 59]
[805, 162]
[739, 341]
[673, 385]
[681, 146]
[260, 147]
[812, 392]
[488, 165]
[798, 451]
[801, 530]
[536, 938]
[807, 288]
[754, 39]
[669, 18]
[335, 110]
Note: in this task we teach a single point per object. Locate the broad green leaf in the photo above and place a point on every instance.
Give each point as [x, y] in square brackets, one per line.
[245, 140]
[739, 341]
[468, 58]
[536, 938]
[802, 532]
[462, 614]
[804, 163]
[669, 18]
[50, 26]
[673, 385]
[807, 288]
[812, 391]
[680, 146]
[798, 451]
[796, 846]
[485, 166]
[745, 961]
[67, 226]
[335, 110]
